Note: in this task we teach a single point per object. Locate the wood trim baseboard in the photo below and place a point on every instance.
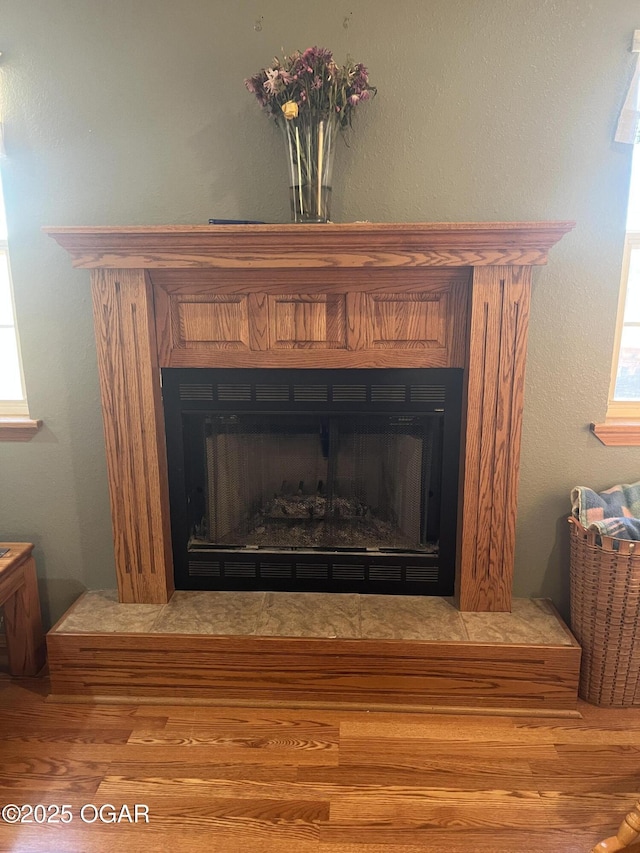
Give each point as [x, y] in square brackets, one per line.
[169, 699]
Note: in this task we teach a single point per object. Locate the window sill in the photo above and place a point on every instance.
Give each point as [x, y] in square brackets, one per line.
[18, 429]
[618, 433]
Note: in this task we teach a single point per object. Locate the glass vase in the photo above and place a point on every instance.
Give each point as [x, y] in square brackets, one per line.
[310, 140]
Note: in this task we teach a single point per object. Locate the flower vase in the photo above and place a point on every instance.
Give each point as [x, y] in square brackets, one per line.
[310, 144]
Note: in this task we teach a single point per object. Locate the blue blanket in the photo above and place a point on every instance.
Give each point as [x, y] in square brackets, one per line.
[614, 512]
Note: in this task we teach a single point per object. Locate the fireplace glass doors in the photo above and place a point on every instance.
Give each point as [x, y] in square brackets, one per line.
[331, 480]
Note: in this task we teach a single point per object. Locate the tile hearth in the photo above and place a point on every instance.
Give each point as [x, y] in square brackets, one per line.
[343, 616]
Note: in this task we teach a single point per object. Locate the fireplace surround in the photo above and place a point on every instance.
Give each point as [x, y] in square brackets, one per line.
[350, 297]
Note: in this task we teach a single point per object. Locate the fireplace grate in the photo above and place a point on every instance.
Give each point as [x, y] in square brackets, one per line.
[262, 392]
[388, 393]
[310, 392]
[350, 393]
[193, 391]
[269, 571]
[233, 393]
[427, 394]
[345, 573]
[348, 573]
[274, 570]
[385, 573]
[315, 571]
[268, 393]
[422, 574]
[204, 568]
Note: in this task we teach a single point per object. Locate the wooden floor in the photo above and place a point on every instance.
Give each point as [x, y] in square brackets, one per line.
[287, 781]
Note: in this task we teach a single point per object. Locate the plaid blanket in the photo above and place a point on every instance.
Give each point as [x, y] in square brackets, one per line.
[614, 512]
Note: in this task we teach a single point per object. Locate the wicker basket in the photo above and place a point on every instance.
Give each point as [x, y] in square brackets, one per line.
[605, 615]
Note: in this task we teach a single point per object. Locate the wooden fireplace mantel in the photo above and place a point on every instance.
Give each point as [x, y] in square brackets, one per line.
[354, 295]
[353, 244]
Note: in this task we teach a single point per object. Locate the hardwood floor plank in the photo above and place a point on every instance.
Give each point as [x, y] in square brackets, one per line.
[438, 727]
[60, 775]
[287, 780]
[203, 757]
[441, 808]
[97, 839]
[185, 789]
[592, 768]
[583, 735]
[337, 839]
[428, 748]
[69, 736]
[66, 716]
[586, 809]
[476, 780]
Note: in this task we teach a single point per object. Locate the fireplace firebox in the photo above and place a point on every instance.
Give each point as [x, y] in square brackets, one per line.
[319, 480]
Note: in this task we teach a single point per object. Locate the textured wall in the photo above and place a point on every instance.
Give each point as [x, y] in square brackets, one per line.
[126, 112]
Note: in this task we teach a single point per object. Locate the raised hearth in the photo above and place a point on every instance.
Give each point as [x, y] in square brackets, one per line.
[312, 649]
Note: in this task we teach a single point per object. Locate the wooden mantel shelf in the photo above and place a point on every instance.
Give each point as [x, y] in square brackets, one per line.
[354, 244]
[373, 295]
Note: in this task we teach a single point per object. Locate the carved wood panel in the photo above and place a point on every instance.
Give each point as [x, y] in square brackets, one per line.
[417, 322]
[408, 319]
[219, 322]
[307, 321]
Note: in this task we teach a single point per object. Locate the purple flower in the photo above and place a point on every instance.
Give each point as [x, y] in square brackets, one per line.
[255, 85]
[317, 54]
[312, 80]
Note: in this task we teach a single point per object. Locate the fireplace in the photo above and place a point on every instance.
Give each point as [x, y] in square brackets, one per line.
[356, 296]
[325, 480]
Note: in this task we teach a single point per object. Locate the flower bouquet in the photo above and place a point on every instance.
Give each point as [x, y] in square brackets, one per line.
[311, 97]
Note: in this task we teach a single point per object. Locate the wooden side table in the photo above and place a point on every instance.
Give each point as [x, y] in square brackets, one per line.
[21, 603]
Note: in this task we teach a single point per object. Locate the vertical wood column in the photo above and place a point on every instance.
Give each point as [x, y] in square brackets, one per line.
[134, 433]
[496, 363]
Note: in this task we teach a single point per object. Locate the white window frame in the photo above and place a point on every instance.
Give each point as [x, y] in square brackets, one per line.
[19, 407]
[627, 410]
[628, 131]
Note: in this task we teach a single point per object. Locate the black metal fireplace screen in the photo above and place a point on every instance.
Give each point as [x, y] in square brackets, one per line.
[330, 480]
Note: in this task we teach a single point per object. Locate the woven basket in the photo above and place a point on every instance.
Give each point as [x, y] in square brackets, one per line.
[605, 615]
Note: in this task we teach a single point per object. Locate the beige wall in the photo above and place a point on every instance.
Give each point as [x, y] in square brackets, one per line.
[134, 112]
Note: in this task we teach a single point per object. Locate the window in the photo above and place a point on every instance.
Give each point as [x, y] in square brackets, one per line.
[624, 397]
[622, 423]
[12, 394]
